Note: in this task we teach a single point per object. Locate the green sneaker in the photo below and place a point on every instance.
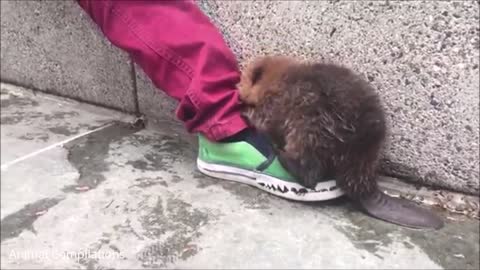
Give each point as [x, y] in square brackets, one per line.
[241, 162]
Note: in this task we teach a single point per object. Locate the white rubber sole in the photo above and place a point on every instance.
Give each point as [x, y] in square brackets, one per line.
[323, 191]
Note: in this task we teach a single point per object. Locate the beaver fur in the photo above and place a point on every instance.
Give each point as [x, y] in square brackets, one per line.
[323, 119]
[326, 122]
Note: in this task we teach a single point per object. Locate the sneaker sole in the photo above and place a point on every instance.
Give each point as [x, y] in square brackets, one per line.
[323, 191]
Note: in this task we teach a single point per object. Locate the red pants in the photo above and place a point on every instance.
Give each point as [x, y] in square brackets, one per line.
[183, 54]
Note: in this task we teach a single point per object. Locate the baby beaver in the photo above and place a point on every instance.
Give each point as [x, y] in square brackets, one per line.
[325, 121]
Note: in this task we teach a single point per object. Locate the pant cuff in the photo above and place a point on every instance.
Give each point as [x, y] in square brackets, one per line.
[227, 128]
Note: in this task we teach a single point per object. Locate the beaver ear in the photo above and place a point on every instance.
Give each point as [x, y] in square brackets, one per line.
[257, 74]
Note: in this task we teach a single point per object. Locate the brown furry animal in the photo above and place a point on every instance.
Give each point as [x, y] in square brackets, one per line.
[325, 121]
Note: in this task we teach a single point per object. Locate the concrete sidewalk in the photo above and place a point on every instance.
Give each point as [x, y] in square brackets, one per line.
[123, 197]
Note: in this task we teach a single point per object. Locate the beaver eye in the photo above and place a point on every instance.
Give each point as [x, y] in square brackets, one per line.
[256, 75]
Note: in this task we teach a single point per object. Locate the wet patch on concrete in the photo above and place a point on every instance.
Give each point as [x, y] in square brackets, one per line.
[139, 164]
[156, 223]
[14, 224]
[126, 228]
[88, 155]
[251, 197]
[180, 223]
[161, 142]
[60, 115]
[173, 215]
[178, 246]
[89, 264]
[185, 214]
[19, 116]
[204, 181]
[63, 130]
[48, 121]
[367, 234]
[35, 137]
[146, 182]
[176, 179]
[102, 249]
[17, 108]
[9, 99]
[456, 246]
[164, 151]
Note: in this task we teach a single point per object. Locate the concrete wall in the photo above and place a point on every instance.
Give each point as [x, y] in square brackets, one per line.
[422, 56]
[53, 46]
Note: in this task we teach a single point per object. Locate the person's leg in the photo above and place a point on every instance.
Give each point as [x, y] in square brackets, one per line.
[184, 55]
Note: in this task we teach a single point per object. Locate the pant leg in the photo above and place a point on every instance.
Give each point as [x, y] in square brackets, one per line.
[183, 54]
